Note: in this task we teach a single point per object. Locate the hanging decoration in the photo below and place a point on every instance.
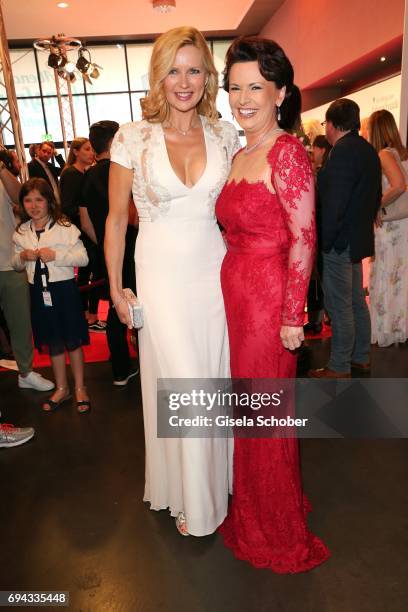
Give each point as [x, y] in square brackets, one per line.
[59, 47]
[164, 6]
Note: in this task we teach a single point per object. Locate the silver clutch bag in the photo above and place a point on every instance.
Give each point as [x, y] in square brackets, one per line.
[135, 308]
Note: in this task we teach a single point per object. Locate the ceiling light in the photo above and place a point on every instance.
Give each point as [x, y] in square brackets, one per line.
[58, 48]
[63, 5]
[164, 6]
[54, 59]
[383, 58]
[95, 71]
[83, 63]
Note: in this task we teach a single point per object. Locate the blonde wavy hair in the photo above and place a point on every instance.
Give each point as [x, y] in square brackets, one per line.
[155, 107]
[312, 128]
[76, 144]
[383, 133]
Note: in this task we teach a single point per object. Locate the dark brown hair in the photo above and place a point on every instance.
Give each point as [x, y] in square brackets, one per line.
[274, 66]
[344, 114]
[321, 142]
[101, 134]
[54, 209]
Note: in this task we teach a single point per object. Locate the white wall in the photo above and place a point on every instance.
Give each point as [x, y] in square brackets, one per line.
[384, 95]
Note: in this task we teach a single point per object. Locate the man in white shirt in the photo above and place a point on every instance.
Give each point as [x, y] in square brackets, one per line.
[14, 290]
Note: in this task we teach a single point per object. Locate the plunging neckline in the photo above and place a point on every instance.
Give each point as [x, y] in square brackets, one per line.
[171, 166]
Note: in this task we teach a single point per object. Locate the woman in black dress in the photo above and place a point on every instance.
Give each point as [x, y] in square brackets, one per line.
[81, 157]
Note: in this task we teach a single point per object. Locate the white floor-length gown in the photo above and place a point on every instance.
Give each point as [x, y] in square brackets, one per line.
[179, 251]
[389, 277]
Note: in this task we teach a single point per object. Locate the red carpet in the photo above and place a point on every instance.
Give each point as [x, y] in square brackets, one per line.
[98, 348]
[324, 334]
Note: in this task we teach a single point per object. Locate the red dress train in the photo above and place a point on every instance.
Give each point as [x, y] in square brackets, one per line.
[265, 276]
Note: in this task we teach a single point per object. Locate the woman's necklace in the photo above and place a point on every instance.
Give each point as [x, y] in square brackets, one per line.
[261, 140]
[182, 132]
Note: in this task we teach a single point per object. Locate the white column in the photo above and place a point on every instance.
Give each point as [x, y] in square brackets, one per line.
[403, 124]
[9, 117]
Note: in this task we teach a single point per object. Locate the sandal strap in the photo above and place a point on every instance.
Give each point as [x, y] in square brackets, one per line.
[53, 405]
[83, 405]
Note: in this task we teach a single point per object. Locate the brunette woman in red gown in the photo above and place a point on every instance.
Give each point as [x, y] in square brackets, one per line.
[267, 211]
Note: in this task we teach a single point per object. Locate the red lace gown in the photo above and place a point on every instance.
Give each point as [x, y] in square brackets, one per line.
[265, 276]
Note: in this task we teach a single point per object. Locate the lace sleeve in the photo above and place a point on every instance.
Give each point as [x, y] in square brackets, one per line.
[292, 178]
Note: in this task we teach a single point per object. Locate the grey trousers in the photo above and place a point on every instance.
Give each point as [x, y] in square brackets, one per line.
[346, 304]
[15, 304]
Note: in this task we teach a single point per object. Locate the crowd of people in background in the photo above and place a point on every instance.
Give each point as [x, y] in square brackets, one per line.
[387, 278]
[51, 254]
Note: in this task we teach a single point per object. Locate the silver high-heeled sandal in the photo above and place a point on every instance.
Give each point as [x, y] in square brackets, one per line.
[181, 524]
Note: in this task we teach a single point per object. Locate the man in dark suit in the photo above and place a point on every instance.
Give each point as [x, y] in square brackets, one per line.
[94, 210]
[349, 191]
[40, 166]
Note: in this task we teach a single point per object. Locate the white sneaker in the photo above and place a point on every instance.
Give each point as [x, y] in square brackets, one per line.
[14, 436]
[122, 382]
[34, 380]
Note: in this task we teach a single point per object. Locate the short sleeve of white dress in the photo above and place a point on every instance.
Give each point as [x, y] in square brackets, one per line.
[120, 148]
[231, 139]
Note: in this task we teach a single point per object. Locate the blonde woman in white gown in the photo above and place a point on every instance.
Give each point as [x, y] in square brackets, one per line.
[389, 269]
[175, 162]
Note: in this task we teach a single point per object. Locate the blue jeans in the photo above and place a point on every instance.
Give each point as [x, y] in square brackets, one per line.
[345, 302]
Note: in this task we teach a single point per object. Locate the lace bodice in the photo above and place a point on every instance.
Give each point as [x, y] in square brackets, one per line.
[282, 223]
[141, 146]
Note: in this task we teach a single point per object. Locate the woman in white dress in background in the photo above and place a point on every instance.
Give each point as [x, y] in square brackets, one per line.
[175, 162]
[389, 269]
